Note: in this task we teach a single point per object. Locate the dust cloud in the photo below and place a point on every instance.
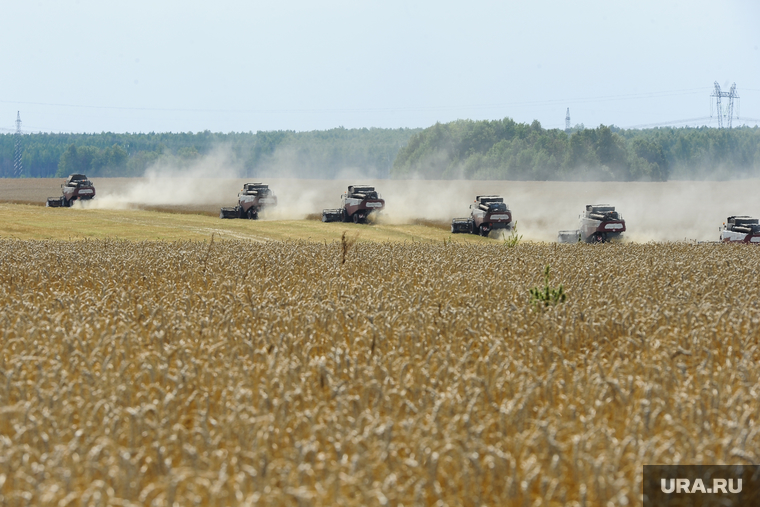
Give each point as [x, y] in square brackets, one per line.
[196, 183]
[653, 211]
[670, 211]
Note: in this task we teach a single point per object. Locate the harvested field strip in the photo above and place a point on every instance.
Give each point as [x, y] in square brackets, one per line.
[238, 372]
[36, 222]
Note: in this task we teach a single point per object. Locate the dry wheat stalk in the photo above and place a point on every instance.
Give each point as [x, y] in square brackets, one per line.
[412, 374]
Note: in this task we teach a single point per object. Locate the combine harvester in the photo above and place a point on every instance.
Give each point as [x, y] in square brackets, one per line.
[488, 213]
[252, 199]
[76, 186]
[357, 204]
[740, 229]
[599, 223]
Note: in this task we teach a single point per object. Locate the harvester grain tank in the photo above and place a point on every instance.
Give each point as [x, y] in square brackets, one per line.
[76, 187]
[356, 205]
[252, 199]
[488, 213]
[741, 229]
[599, 223]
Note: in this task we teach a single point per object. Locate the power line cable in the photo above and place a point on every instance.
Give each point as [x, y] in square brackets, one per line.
[688, 120]
[605, 98]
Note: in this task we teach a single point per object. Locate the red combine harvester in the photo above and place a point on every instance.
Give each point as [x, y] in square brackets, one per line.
[599, 223]
[741, 229]
[76, 186]
[252, 199]
[357, 204]
[488, 213]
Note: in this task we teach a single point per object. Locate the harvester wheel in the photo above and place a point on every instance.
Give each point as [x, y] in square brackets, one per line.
[344, 215]
[252, 215]
[599, 237]
[357, 218]
[472, 227]
[484, 230]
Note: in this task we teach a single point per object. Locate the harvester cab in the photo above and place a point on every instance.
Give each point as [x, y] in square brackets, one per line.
[255, 189]
[76, 186]
[602, 212]
[489, 203]
[362, 192]
[487, 213]
[357, 203]
[252, 199]
[77, 180]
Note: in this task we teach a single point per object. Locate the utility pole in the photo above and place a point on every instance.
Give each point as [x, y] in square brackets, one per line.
[730, 95]
[17, 169]
[567, 119]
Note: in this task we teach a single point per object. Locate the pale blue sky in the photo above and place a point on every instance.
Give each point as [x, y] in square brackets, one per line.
[139, 66]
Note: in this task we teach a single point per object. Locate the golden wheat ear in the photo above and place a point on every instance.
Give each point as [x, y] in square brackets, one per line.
[230, 372]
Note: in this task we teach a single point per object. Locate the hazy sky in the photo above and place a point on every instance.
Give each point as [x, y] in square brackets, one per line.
[166, 65]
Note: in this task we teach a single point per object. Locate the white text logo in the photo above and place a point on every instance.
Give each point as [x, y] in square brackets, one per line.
[685, 486]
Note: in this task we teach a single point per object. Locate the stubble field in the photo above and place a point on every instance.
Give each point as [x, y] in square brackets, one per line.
[374, 373]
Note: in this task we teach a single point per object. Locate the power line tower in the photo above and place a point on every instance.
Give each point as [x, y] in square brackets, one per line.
[730, 95]
[17, 168]
[567, 119]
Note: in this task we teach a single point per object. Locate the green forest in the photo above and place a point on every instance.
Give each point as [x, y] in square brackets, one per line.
[315, 154]
[499, 149]
[506, 150]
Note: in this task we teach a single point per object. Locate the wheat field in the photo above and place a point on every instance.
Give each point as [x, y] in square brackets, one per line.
[307, 373]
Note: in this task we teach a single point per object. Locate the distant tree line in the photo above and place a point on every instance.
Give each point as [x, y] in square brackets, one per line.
[701, 153]
[500, 149]
[316, 154]
[504, 149]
